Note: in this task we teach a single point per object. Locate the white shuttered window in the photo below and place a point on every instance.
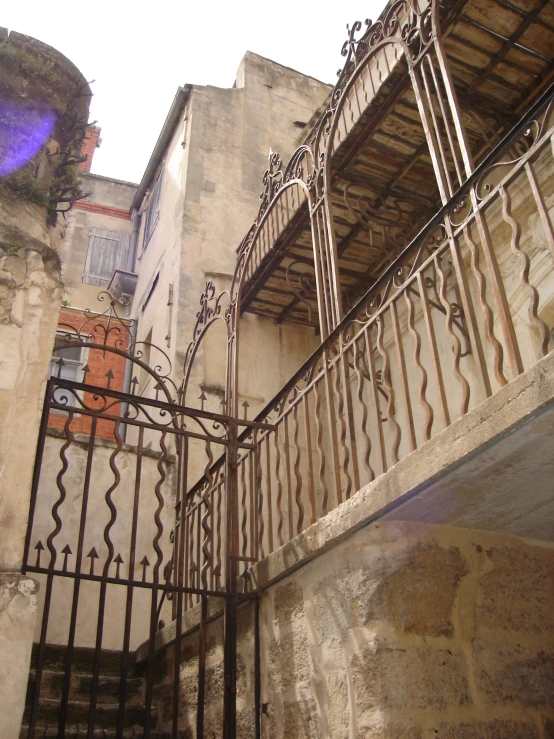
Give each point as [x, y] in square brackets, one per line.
[107, 251]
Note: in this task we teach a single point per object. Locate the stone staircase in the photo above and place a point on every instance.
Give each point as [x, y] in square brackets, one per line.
[107, 704]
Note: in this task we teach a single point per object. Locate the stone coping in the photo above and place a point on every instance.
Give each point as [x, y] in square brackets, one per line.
[514, 405]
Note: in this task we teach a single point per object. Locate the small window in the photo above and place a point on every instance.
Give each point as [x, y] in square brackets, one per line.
[152, 212]
[107, 251]
[67, 362]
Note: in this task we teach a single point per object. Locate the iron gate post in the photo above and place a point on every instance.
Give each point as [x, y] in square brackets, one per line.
[231, 572]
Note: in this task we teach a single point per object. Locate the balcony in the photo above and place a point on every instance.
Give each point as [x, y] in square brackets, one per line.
[466, 309]
[383, 187]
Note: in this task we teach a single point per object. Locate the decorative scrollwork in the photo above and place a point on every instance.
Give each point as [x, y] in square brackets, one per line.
[109, 332]
[272, 181]
[210, 312]
[301, 280]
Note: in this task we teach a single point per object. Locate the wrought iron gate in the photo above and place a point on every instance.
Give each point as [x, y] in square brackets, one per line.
[122, 549]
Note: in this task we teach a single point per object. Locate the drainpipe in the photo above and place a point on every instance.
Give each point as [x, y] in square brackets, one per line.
[131, 259]
[128, 373]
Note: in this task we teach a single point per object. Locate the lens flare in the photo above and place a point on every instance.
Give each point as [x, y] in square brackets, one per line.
[24, 131]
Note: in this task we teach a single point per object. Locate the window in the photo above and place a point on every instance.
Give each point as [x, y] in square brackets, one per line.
[67, 362]
[107, 251]
[152, 212]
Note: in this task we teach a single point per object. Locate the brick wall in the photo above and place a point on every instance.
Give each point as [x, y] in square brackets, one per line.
[90, 144]
[99, 363]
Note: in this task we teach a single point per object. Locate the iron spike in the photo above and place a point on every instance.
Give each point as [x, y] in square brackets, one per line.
[202, 398]
[66, 551]
[134, 383]
[110, 375]
[144, 563]
[93, 554]
[86, 370]
[118, 561]
[246, 406]
[40, 548]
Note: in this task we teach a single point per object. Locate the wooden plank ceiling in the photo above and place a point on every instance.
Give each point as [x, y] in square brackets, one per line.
[501, 56]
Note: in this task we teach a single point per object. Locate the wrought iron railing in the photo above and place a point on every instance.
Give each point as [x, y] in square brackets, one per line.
[466, 308]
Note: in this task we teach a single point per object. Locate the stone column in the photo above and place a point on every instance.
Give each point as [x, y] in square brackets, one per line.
[44, 110]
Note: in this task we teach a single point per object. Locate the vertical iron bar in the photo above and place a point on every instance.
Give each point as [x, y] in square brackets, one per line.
[289, 480]
[129, 600]
[469, 311]
[77, 582]
[201, 668]
[307, 430]
[232, 549]
[181, 551]
[36, 470]
[257, 671]
[433, 348]
[404, 374]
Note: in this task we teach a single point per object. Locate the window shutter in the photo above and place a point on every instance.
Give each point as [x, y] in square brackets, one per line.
[107, 251]
[153, 211]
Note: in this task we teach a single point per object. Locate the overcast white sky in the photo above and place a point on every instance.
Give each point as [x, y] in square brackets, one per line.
[139, 52]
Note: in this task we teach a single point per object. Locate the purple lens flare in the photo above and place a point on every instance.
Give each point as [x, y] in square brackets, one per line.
[24, 131]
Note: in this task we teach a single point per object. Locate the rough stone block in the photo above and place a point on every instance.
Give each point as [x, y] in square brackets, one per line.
[389, 678]
[418, 596]
[497, 729]
[18, 607]
[288, 602]
[333, 607]
[300, 721]
[289, 661]
[246, 726]
[518, 594]
[515, 674]
[389, 730]
[338, 715]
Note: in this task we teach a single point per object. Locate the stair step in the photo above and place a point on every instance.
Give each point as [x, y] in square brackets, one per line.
[111, 733]
[78, 713]
[82, 660]
[51, 686]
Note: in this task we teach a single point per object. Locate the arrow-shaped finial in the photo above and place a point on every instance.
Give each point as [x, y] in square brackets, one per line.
[134, 383]
[157, 388]
[93, 554]
[144, 563]
[66, 551]
[61, 365]
[40, 548]
[202, 398]
[118, 561]
[110, 375]
[86, 370]
[246, 406]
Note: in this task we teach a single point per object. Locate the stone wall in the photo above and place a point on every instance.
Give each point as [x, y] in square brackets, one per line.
[35, 81]
[402, 631]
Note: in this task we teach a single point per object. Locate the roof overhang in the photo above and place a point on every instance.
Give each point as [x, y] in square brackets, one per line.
[175, 113]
